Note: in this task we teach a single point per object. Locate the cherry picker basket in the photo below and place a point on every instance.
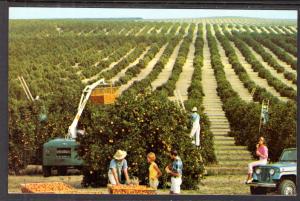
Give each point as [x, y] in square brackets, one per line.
[104, 95]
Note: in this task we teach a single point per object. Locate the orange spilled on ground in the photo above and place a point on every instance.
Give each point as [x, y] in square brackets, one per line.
[53, 187]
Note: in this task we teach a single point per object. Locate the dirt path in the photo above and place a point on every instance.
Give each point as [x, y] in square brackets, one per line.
[150, 30]
[231, 76]
[185, 77]
[287, 30]
[228, 29]
[273, 30]
[286, 66]
[235, 29]
[121, 31]
[186, 32]
[273, 72]
[291, 55]
[140, 31]
[158, 30]
[79, 72]
[177, 31]
[129, 32]
[76, 65]
[251, 29]
[266, 30]
[294, 29]
[106, 58]
[106, 69]
[283, 32]
[229, 163]
[165, 74]
[220, 29]
[123, 71]
[145, 72]
[170, 28]
[254, 75]
[257, 29]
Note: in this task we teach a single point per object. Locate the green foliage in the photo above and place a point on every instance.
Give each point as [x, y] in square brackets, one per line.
[260, 93]
[195, 99]
[283, 89]
[268, 57]
[195, 92]
[170, 85]
[278, 40]
[244, 118]
[279, 52]
[139, 123]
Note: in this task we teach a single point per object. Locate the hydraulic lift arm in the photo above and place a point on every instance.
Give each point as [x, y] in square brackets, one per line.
[72, 132]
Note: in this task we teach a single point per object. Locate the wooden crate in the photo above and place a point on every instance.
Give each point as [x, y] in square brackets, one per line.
[106, 95]
[79, 191]
[131, 189]
[48, 187]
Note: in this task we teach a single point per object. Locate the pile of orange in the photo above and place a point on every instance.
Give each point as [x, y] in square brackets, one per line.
[130, 189]
[50, 187]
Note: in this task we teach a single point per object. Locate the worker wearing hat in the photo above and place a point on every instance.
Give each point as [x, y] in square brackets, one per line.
[195, 132]
[118, 165]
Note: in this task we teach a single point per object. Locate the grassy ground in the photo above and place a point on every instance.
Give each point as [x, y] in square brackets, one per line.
[212, 185]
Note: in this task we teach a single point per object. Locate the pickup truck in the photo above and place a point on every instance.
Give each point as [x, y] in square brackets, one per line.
[279, 177]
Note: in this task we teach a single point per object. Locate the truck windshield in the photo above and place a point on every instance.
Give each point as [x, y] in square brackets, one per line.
[289, 155]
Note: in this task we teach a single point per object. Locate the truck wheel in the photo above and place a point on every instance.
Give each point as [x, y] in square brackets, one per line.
[287, 187]
[258, 190]
[62, 171]
[46, 171]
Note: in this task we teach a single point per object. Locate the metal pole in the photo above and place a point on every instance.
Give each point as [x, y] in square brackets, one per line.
[27, 89]
[181, 100]
[27, 95]
[176, 96]
[260, 117]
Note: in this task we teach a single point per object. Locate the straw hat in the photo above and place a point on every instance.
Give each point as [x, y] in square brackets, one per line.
[194, 109]
[119, 155]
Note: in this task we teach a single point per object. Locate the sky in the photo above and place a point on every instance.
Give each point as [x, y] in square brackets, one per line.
[52, 13]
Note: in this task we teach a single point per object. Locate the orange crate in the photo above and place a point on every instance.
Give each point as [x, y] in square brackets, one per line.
[104, 95]
[49, 187]
[131, 189]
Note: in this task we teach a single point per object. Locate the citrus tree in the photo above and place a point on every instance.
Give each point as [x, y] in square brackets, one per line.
[138, 123]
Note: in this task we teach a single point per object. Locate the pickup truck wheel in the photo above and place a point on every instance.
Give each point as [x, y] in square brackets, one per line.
[46, 171]
[258, 190]
[287, 187]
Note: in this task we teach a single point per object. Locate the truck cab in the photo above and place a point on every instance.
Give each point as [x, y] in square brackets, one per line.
[60, 154]
[277, 177]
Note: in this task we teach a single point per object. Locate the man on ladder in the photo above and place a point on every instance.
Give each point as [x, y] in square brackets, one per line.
[264, 115]
[195, 132]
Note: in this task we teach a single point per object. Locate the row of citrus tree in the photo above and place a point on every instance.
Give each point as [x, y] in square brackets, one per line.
[161, 124]
[244, 117]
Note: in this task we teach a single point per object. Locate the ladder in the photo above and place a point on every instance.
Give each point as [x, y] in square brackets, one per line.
[179, 99]
[26, 89]
[264, 106]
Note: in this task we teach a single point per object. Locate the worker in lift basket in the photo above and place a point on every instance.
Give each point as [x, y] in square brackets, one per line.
[195, 132]
[117, 167]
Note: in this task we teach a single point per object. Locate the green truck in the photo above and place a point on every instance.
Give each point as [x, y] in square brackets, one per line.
[61, 153]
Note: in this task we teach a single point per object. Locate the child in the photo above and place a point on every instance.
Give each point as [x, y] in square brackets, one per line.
[154, 171]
